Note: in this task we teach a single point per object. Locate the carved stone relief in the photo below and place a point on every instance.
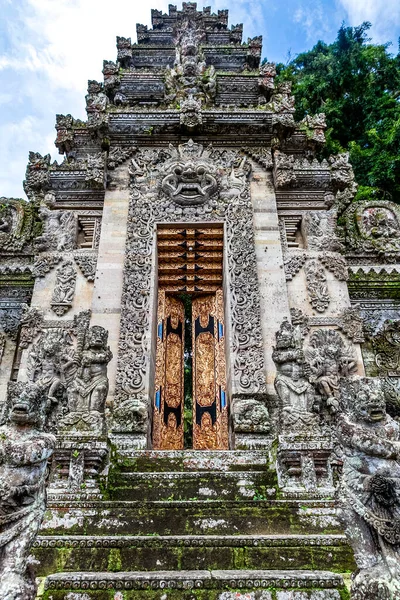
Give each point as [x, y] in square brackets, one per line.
[59, 230]
[232, 205]
[64, 289]
[373, 227]
[317, 286]
[24, 452]
[87, 263]
[330, 359]
[370, 488]
[294, 391]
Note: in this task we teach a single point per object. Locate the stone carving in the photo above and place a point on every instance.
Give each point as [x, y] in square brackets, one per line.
[293, 263]
[118, 155]
[96, 104]
[284, 174]
[314, 127]
[374, 227]
[391, 390]
[385, 345]
[352, 324]
[317, 286]
[370, 489]
[148, 207]
[59, 230]
[250, 415]
[330, 360]
[318, 229]
[294, 391]
[190, 75]
[31, 324]
[17, 224]
[336, 264]
[37, 178]
[49, 365]
[266, 80]
[342, 175]
[2, 345]
[44, 263]
[64, 289]
[24, 452]
[87, 262]
[88, 392]
[189, 177]
[191, 115]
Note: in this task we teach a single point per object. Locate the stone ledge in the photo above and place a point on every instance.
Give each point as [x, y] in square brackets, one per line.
[194, 580]
[212, 541]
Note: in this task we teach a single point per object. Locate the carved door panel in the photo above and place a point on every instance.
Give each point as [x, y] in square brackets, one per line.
[169, 380]
[210, 413]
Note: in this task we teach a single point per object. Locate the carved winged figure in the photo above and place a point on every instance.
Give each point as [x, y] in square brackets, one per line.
[24, 452]
[370, 488]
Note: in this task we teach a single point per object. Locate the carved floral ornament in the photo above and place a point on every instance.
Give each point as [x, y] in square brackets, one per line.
[217, 182]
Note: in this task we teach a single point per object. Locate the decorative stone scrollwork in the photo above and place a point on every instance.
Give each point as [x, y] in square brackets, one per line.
[64, 289]
[294, 262]
[17, 224]
[87, 262]
[24, 452]
[370, 488]
[336, 264]
[44, 263]
[2, 345]
[317, 286]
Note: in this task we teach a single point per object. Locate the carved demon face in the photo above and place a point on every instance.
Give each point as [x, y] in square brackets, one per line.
[370, 404]
[97, 338]
[190, 183]
[27, 404]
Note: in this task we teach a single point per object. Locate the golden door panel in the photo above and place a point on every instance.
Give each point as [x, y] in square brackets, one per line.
[169, 380]
[210, 414]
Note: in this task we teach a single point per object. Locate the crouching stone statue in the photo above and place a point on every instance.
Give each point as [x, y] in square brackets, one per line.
[24, 452]
[370, 489]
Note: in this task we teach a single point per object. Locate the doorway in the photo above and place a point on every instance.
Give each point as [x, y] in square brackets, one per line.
[190, 403]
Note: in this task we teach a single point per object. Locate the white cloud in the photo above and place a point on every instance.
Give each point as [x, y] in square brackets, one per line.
[53, 48]
[313, 19]
[383, 14]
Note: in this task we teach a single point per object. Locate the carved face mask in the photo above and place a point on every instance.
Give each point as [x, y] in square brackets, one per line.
[190, 183]
[370, 407]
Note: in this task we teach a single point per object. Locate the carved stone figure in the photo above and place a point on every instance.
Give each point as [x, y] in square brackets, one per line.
[374, 227]
[60, 229]
[329, 359]
[370, 489]
[24, 453]
[64, 289]
[189, 175]
[50, 366]
[88, 392]
[295, 392]
[317, 286]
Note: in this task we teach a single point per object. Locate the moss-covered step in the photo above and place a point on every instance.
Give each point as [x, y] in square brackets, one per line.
[191, 485]
[189, 460]
[213, 517]
[197, 585]
[152, 553]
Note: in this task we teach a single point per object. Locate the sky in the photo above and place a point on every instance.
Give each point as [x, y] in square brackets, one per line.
[50, 48]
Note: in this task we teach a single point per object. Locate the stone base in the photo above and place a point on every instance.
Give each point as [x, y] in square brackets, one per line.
[204, 585]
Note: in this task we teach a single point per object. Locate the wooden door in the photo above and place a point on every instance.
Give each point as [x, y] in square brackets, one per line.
[168, 428]
[210, 411]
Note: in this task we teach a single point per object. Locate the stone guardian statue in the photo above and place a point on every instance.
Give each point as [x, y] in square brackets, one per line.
[24, 453]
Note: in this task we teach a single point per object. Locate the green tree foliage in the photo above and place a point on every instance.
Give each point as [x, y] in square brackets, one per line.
[357, 85]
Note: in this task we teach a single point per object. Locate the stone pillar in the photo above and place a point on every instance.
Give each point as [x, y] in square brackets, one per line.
[274, 301]
[106, 303]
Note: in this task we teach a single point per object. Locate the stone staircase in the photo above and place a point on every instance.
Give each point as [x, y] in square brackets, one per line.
[192, 526]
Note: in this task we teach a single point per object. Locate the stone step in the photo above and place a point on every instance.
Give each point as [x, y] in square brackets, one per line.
[152, 553]
[212, 517]
[192, 485]
[202, 585]
[190, 460]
